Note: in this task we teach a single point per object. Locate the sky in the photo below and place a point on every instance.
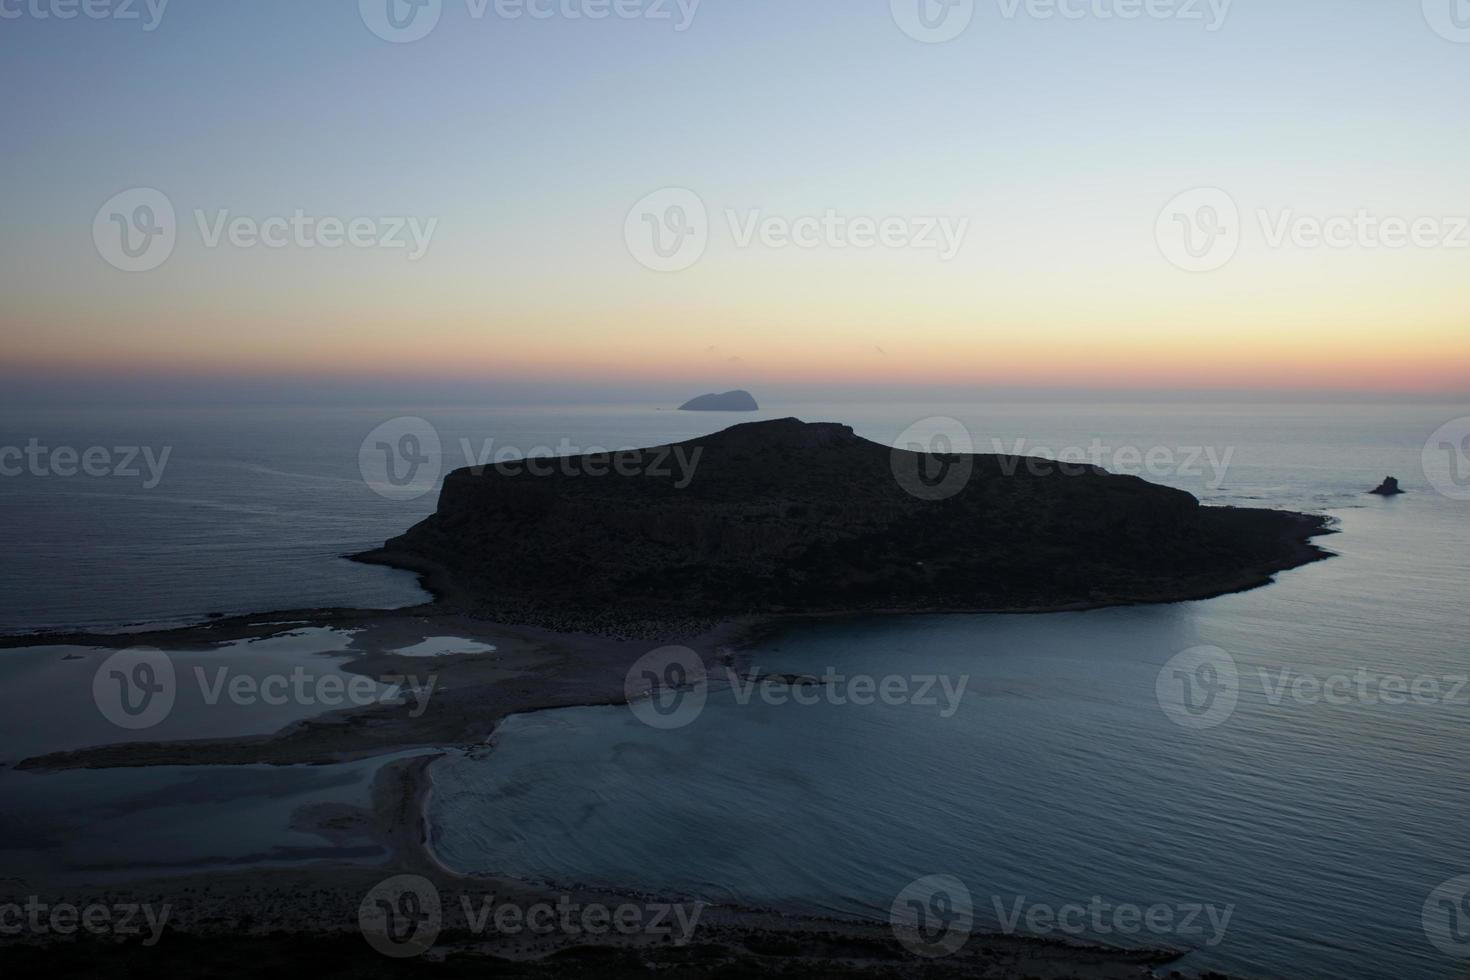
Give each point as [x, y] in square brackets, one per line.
[1204, 195]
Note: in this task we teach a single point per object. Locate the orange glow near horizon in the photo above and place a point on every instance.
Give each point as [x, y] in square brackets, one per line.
[1398, 361]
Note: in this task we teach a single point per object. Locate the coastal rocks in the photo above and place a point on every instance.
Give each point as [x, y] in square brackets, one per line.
[730, 401]
[1388, 488]
[784, 517]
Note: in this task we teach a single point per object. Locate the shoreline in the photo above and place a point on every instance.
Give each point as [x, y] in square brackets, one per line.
[550, 668]
[438, 580]
[534, 668]
[265, 911]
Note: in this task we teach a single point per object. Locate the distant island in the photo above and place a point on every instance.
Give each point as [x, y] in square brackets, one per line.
[785, 517]
[730, 401]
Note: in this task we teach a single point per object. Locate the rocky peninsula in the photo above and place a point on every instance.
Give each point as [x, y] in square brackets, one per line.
[790, 518]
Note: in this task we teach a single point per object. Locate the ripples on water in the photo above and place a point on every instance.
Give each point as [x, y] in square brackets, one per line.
[1060, 777]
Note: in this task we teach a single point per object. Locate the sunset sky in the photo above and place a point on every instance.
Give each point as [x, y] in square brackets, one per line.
[1059, 141]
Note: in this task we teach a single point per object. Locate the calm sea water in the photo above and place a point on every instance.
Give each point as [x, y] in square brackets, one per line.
[1059, 776]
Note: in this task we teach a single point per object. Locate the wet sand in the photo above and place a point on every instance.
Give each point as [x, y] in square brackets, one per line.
[530, 669]
[256, 915]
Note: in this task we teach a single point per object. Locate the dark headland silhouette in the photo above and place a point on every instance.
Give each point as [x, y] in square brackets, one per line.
[1388, 488]
[787, 517]
[730, 401]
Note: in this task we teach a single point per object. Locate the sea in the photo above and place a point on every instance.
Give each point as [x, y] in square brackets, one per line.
[1272, 781]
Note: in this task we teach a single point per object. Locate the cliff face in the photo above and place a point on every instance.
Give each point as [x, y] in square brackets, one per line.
[777, 517]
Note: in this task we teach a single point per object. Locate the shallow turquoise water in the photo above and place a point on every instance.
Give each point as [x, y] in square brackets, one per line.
[1323, 824]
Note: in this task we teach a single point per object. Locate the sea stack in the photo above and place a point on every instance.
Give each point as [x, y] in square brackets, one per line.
[1388, 488]
[730, 401]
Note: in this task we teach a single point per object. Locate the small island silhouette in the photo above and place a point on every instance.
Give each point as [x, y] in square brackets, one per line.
[730, 401]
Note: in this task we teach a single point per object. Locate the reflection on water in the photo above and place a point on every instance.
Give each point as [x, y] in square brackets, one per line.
[220, 692]
[1325, 825]
[445, 646]
[93, 825]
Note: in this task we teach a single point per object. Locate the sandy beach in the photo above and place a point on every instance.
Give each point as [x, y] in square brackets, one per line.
[268, 910]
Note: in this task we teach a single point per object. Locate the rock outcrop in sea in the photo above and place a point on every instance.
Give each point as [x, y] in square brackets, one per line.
[788, 517]
[1388, 488]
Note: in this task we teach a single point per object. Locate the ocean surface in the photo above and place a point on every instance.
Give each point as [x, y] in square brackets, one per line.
[1062, 776]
